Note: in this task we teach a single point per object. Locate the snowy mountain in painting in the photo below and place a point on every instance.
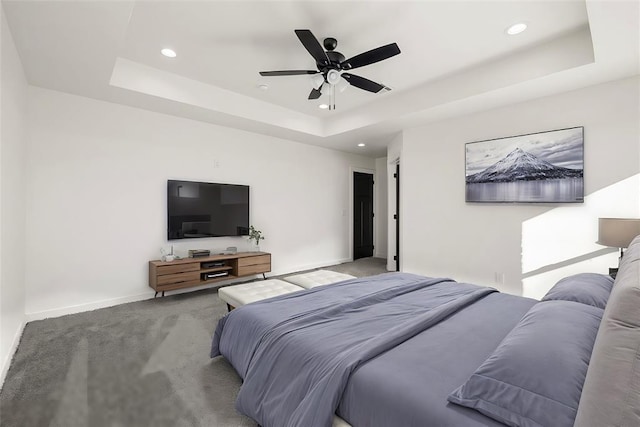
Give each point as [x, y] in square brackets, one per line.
[522, 166]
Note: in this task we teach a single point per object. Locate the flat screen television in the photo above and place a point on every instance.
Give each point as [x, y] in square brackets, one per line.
[203, 209]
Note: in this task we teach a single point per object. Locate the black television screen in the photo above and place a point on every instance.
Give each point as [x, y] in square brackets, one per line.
[202, 209]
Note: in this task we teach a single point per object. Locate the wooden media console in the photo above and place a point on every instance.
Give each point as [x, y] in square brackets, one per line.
[190, 272]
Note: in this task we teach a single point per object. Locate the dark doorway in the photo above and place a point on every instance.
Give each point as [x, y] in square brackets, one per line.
[362, 215]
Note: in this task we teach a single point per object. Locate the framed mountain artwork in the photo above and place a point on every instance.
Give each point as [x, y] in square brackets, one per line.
[545, 167]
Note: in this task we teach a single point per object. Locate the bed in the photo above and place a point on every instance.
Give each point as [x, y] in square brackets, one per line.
[405, 350]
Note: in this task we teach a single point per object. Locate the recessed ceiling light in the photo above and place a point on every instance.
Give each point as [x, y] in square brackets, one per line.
[323, 106]
[516, 28]
[362, 144]
[263, 87]
[169, 53]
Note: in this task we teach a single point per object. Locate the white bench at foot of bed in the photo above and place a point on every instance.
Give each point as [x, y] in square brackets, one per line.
[318, 278]
[239, 295]
[339, 422]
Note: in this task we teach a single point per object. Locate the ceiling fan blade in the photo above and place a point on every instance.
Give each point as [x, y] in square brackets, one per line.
[315, 93]
[313, 46]
[370, 57]
[362, 83]
[287, 73]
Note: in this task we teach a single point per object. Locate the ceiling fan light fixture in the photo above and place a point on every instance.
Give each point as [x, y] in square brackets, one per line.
[333, 77]
[342, 85]
[516, 28]
[316, 81]
[169, 53]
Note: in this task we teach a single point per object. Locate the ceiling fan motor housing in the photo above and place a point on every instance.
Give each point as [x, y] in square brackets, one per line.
[335, 58]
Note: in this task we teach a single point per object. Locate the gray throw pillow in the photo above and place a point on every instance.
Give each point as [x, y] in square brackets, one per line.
[535, 376]
[586, 288]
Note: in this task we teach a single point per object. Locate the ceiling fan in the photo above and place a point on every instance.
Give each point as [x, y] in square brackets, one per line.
[332, 65]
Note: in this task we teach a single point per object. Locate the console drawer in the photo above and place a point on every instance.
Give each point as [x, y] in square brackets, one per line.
[179, 278]
[181, 285]
[254, 269]
[177, 268]
[253, 260]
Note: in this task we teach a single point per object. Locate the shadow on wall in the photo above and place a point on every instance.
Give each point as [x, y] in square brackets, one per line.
[562, 241]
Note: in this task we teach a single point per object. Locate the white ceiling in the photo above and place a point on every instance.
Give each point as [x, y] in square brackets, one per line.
[456, 58]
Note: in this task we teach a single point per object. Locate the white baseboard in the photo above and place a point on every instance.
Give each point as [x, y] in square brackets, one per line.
[79, 308]
[12, 351]
[311, 266]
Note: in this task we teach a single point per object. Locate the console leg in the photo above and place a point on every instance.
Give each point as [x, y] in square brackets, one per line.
[156, 294]
[264, 277]
[162, 293]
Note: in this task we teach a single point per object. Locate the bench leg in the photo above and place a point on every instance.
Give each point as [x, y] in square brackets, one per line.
[229, 308]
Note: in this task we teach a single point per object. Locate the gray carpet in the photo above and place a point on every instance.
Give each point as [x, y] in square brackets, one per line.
[140, 364]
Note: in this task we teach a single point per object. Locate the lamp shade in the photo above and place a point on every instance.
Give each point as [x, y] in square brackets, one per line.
[617, 232]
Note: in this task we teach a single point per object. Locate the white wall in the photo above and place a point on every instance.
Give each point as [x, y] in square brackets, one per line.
[96, 207]
[380, 208]
[12, 205]
[528, 246]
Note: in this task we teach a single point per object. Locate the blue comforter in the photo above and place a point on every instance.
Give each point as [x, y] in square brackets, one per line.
[296, 352]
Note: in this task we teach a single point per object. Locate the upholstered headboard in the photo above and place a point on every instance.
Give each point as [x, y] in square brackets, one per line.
[611, 393]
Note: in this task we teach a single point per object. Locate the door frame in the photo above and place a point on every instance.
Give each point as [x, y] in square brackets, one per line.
[371, 172]
[394, 232]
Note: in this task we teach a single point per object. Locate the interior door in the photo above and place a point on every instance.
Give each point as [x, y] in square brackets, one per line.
[362, 215]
